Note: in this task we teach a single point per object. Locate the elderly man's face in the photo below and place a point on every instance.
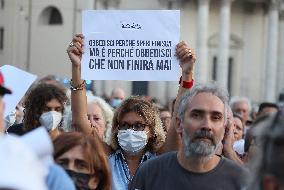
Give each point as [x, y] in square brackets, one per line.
[118, 94]
[203, 125]
[243, 109]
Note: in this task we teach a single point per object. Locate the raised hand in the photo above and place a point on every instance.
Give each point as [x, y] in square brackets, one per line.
[75, 49]
[229, 136]
[187, 58]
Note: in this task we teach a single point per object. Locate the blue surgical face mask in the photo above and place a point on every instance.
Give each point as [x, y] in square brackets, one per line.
[115, 102]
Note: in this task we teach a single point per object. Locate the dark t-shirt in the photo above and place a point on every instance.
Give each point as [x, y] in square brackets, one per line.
[164, 172]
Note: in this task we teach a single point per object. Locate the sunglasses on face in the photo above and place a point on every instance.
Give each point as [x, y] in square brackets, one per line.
[135, 126]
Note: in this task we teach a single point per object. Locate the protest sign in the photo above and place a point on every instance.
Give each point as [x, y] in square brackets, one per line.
[130, 45]
[19, 82]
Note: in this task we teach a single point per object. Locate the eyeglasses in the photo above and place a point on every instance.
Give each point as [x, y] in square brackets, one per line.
[135, 126]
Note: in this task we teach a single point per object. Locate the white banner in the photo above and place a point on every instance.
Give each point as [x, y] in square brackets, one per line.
[131, 45]
[19, 82]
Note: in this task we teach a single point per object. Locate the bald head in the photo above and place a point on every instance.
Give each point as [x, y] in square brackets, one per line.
[117, 96]
[242, 106]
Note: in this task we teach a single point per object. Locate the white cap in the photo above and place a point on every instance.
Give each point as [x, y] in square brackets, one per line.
[20, 167]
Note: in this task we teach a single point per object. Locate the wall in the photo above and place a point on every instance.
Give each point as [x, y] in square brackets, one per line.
[45, 52]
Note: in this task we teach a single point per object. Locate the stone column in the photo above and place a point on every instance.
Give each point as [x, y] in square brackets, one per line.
[280, 86]
[271, 51]
[224, 43]
[201, 70]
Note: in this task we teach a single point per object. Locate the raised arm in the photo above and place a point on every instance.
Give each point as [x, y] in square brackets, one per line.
[78, 90]
[228, 142]
[187, 58]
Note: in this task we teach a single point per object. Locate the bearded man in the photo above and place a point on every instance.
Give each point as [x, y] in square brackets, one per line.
[201, 121]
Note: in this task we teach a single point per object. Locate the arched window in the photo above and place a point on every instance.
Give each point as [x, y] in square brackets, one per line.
[50, 16]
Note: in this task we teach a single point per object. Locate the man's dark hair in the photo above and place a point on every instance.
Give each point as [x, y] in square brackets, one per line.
[266, 105]
[36, 100]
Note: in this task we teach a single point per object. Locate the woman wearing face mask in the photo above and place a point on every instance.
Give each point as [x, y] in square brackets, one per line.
[137, 132]
[137, 135]
[84, 159]
[44, 106]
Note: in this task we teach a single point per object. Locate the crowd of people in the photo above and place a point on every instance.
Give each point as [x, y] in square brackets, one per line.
[205, 140]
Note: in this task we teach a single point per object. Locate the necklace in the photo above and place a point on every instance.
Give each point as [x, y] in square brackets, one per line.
[125, 169]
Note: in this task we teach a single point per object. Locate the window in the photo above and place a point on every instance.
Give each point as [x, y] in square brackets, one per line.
[140, 87]
[170, 5]
[55, 17]
[230, 74]
[1, 38]
[214, 68]
[2, 4]
[50, 16]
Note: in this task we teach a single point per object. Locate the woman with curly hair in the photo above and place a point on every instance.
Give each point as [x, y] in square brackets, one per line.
[137, 133]
[84, 159]
[43, 106]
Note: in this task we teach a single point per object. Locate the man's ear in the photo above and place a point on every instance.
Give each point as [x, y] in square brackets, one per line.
[178, 125]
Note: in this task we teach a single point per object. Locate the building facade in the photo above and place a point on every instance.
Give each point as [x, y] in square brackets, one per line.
[239, 43]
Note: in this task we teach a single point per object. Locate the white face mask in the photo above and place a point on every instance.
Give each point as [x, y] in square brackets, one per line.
[132, 141]
[50, 120]
[10, 119]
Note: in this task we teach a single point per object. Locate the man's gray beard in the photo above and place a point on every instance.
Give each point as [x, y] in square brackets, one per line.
[198, 150]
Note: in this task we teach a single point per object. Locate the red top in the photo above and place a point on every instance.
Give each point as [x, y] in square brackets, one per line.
[1, 79]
